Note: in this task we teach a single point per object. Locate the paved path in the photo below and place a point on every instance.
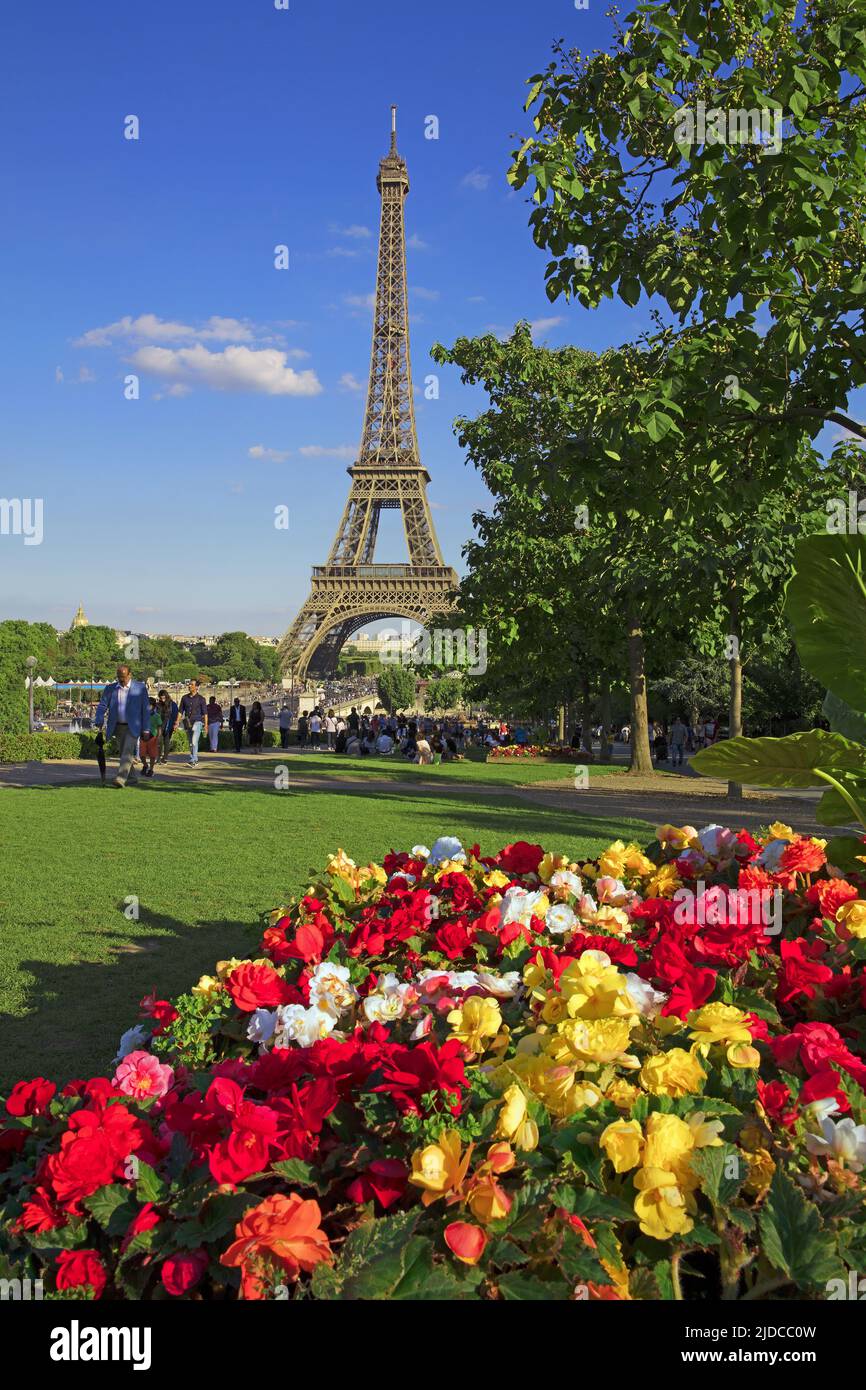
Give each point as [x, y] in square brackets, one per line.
[656, 799]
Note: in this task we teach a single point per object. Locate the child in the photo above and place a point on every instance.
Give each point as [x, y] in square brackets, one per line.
[660, 747]
[148, 746]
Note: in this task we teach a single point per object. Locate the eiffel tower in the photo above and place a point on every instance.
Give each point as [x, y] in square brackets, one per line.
[350, 590]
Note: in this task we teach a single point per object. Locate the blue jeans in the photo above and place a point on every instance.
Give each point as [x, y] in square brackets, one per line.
[194, 736]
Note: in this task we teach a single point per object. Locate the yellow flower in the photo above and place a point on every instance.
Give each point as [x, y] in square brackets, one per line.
[722, 1023]
[440, 1168]
[636, 862]
[613, 920]
[706, 1134]
[514, 1120]
[207, 987]
[674, 1073]
[477, 1020]
[852, 916]
[225, 967]
[488, 1201]
[660, 1206]
[341, 866]
[594, 988]
[761, 1170]
[550, 864]
[496, 879]
[376, 872]
[623, 1144]
[780, 831]
[664, 882]
[599, 1040]
[669, 1141]
[676, 837]
[622, 1093]
[612, 862]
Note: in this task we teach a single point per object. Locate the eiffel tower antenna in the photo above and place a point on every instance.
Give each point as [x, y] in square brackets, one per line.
[350, 590]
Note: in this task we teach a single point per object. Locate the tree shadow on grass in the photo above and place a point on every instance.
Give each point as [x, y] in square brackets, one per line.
[71, 1028]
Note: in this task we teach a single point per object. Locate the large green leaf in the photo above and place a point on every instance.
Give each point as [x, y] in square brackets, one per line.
[833, 809]
[780, 762]
[843, 719]
[792, 1236]
[826, 606]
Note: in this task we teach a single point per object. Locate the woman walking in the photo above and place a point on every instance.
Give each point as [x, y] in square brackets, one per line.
[167, 709]
[214, 723]
[256, 727]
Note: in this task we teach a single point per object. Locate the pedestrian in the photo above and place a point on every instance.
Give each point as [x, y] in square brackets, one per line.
[679, 733]
[168, 719]
[285, 725]
[148, 745]
[256, 727]
[315, 730]
[330, 728]
[215, 723]
[237, 722]
[303, 730]
[127, 706]
[193, 712]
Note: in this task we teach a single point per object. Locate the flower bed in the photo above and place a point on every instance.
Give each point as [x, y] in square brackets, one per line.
[550, 752]
[503, 1078]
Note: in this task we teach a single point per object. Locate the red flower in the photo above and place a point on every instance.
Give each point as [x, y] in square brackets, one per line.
[829, 894]
[453, 940]
[413, 1072]
[77, 1268]
[31, 1097]
[182, 1272]
[803, 857]
[144, 1220]
[41, 1213]
[385, 1179]
[258, 987]
[799, 974]
[460, 888]
[778, 1103]
[466, 1241]
[92, 1152]
[520, 858]
[821, 1086]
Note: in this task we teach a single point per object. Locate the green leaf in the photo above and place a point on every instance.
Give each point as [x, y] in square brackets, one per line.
[844, 851]
[792, 1237]
[112, 1207]
[712, 1165]
[843, 719]
[150, 1186]
[629, 290]
[780, 762]
[527, 1289]
[825, 603]
[300, 1174]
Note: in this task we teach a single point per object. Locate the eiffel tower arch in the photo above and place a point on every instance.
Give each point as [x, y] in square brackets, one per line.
[351, 590]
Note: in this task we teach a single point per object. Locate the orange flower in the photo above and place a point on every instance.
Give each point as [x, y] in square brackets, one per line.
[281, 1231]
[465, 1241]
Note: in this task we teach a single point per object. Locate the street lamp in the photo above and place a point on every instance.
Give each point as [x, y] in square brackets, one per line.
[30, 664]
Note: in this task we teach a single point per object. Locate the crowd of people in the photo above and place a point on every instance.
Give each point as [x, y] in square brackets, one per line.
[417, 738]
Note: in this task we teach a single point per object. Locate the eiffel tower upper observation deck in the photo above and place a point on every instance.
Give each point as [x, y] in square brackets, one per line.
[351, 590]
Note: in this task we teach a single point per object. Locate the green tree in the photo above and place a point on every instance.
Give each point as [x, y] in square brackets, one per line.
[444, 693]
[396, 686]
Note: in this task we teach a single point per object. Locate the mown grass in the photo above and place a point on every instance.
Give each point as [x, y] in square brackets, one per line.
[201, 862]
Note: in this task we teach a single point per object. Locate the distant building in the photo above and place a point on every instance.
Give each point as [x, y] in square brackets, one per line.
[80, 619]
[266, 641]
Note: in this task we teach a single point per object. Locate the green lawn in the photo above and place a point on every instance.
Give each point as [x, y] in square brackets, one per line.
[202, 863]
[473, 770]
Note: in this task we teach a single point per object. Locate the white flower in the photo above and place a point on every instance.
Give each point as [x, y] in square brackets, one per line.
[463, 979]
[559, 919]
[843, 1139]
[420, 852]
[771, 854]
[383, 1008]
[261, 1026]
[646, 1000]
[303, 1026]
[406, 878]
[717, 841]
[131, 1041]
[821, 1110]
[564, 881]
[502, 986]
[447, 847]
[331, 983]
[612, 891]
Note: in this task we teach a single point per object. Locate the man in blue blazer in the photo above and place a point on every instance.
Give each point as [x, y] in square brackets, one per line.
[128, 706]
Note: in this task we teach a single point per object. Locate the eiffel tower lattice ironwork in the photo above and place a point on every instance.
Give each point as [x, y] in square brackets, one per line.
[351, 590]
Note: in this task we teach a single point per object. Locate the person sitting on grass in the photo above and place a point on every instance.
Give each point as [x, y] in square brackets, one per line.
[423, 752]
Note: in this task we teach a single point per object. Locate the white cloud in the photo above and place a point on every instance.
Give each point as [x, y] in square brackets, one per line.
[415, 243]
[58, 374]
[477, 179]
[320, 451]
[542, 325]
[360, 301]
[85, 374]
[264, 370]
[349, 382]
[348, 253]
[357, 232]
[150, 328]
[420, 293]
[476, 299]
[258, 451]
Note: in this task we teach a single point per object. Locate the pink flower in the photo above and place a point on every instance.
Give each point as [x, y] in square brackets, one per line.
[142, 1075]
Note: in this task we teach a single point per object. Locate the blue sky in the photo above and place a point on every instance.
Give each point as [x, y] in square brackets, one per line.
[257, 127]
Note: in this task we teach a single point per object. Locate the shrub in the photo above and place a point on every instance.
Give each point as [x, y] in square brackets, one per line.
[39, 747]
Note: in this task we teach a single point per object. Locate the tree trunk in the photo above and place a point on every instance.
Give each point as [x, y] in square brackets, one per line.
[561, 724]
[735, 705]
[641, 758]
[586, 715]
[604, 703]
